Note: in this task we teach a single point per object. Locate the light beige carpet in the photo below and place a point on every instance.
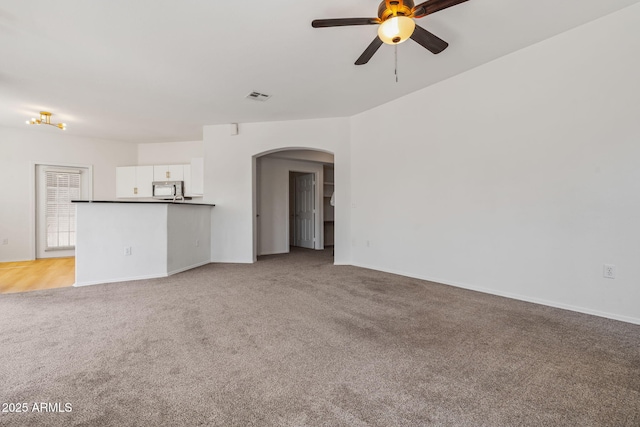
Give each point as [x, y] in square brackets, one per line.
[295, 341]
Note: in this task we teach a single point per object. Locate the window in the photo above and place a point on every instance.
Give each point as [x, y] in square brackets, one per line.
[60, 213]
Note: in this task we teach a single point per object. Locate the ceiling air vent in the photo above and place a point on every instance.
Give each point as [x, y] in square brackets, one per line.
[257, 96]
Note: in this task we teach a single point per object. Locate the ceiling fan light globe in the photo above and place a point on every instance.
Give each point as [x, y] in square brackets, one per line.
[396, 30]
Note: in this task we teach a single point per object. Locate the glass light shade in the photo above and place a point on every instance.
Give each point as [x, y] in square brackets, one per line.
[396, 30]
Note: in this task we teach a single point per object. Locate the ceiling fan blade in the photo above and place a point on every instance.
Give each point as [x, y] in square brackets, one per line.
[429, 41]
[433, 6]
[369, 51]
[343, 22]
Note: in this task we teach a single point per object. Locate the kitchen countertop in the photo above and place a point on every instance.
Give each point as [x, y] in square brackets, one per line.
[170, 202]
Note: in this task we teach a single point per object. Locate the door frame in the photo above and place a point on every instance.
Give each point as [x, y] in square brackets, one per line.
[318, 234]
[33, 202]
[256, 185]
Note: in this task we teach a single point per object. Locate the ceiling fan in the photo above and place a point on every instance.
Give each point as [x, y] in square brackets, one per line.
[396, 20]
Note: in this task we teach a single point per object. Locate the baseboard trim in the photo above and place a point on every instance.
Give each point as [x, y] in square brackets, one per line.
[120, 279]
[231, 261]
[180, 270]
[273, 253]
[150, 276]
[554, 304]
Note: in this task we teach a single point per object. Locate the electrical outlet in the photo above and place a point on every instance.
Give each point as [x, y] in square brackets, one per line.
[127, 250]
[368, 243]
[197, 243]
[609, 271]
[5, 241]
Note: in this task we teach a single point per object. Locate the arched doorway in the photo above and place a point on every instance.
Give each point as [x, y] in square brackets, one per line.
[281, 219]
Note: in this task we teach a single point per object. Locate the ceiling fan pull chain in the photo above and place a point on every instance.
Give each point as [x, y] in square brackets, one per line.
[396, 55]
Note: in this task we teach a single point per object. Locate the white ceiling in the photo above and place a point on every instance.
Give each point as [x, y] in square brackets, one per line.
[152, 71]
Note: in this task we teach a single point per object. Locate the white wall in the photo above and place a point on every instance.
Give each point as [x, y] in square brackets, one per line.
[164, 239]
[229, 179]
[106, 229]
[273, 205]
[168, 153]
[518, 178]
[19, 149]
[188, 237]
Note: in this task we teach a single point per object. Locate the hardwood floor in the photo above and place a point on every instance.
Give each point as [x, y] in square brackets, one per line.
[26, 276]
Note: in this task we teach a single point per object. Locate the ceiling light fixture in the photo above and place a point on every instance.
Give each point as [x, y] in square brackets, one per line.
[396, 30]
[45, 119]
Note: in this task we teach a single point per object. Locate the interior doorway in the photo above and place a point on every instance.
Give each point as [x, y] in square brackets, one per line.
[289, 200]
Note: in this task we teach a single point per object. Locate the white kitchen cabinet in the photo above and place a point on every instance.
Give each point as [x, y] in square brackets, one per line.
[134, 181]
[126, 181]
[196, 184]
[168, 173]
[187, 179]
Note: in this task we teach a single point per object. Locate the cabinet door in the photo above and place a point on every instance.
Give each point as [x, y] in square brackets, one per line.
[176, 173]
[187, 180]
[126, 181]
[160, 172]
[197, 177]
[168, 173]
[144, 181]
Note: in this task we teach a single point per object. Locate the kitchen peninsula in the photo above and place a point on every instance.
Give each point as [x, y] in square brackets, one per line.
[132, 240]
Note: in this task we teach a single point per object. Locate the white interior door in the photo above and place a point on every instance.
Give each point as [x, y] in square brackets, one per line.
[305, 211]
[56, 186]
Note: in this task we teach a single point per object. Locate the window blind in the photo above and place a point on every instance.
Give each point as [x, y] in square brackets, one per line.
[60, 213]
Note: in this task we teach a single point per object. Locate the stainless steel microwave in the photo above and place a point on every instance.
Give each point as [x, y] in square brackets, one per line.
[168, 190]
